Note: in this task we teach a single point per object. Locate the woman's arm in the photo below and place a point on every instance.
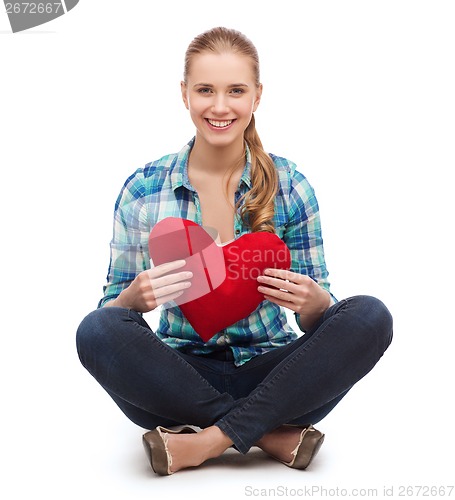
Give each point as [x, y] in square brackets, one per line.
[129, 238]
[130, 281]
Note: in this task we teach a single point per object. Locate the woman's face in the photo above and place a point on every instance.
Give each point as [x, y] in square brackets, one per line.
[221, 95]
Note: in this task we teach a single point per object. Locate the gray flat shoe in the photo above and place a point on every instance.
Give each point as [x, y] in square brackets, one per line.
[155, 446]
[309, 444]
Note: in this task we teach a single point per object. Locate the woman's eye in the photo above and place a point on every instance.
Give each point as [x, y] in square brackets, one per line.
[204, 90]
[237, 91]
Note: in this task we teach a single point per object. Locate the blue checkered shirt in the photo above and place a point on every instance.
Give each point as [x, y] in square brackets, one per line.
[162, 189]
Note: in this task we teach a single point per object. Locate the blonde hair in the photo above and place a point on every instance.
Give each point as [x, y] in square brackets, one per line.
[259, 202]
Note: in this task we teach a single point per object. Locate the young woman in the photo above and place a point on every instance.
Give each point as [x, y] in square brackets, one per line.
[255, 382]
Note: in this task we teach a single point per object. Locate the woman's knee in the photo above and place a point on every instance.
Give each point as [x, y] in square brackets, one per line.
[376, 318]
[93, 330]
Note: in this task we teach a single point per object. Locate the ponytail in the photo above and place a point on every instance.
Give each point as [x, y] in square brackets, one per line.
[259, 202]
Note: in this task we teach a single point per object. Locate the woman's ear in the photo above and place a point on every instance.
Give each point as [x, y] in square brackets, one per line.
[184, 90]
[257, 99]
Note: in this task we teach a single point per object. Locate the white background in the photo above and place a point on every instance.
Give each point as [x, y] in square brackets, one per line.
[359, 94]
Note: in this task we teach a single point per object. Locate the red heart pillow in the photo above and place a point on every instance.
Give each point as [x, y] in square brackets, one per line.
[224, 286]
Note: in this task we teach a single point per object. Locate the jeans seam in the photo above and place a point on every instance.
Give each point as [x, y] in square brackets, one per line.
[235, 438]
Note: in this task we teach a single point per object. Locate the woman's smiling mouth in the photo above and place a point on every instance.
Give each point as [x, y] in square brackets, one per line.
[219, 124]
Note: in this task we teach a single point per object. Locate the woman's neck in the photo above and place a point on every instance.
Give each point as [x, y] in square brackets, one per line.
[208, 159]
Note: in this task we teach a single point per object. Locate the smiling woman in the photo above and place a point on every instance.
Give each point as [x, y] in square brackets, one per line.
[221, 110]
[254, 382]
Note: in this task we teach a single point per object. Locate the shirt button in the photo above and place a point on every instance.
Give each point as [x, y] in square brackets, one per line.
[237, 231]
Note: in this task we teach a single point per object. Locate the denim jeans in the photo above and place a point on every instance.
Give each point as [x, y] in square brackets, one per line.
[300, 383]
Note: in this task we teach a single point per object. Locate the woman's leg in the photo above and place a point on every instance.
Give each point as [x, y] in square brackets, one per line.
[298, 384]
[315, 372]
[150, 381]
[313, 375]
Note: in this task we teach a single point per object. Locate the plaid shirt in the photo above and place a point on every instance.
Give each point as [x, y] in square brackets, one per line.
[162, 189]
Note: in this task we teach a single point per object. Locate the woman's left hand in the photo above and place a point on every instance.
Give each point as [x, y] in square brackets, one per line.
[297, 292]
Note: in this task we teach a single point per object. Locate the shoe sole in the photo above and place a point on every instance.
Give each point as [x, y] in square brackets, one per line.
[156, 452]
[307, 452]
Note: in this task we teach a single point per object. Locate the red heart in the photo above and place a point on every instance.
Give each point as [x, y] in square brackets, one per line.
[224, 286]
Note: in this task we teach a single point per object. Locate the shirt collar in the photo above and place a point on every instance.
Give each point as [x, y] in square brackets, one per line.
[179, 173]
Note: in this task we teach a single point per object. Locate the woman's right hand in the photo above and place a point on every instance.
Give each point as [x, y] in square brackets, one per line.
[151, 288]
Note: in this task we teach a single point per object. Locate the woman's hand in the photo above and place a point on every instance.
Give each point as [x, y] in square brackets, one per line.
[151, 288]
[297, 292]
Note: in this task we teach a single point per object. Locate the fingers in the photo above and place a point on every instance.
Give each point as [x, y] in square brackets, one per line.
[285, 303]
[165, 286]
[171, 279]
[158, 271]
[277, 295]
[285, 288]
[167, 298]
[284, 274]
[172, 289]
[281, 280]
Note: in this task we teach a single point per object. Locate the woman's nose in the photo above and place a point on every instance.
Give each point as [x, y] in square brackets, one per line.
[220, 104]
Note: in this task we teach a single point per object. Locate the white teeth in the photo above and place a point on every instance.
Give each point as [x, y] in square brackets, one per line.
[220, 124]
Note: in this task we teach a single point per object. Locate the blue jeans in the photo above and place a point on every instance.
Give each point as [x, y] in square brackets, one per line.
[300, 383]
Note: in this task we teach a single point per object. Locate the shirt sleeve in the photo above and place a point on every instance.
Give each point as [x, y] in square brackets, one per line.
[303, 234]
[129, 244]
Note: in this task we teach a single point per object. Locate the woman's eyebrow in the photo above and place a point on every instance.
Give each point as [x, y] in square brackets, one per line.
[229, 86]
